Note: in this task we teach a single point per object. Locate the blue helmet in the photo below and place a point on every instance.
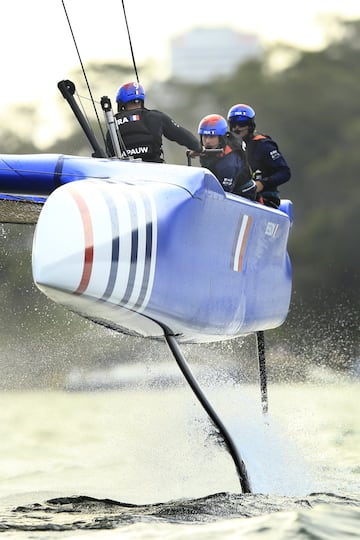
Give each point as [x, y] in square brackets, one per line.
[241, 114]
[132, 91]
[213, 124]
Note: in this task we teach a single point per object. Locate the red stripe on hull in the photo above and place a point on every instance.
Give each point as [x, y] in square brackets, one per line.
[88, 242]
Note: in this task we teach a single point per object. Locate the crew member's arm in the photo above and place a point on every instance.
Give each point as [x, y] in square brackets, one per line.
[274, 168]
[175, 132]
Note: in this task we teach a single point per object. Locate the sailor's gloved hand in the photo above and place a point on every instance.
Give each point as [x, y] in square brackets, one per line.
[194, 153]
[257, 177]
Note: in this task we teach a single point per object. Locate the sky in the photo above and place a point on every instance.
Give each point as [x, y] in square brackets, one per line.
[37, 47]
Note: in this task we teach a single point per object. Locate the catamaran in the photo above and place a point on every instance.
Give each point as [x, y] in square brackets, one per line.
[153, 250]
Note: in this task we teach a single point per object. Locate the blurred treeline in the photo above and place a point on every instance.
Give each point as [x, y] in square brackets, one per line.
[311, 108]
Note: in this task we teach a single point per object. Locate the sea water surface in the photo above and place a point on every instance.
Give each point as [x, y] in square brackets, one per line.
[144, 461]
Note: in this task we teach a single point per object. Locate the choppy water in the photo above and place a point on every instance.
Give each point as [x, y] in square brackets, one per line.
[143, 462]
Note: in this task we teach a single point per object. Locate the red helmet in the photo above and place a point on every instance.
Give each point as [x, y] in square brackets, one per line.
[213, 124]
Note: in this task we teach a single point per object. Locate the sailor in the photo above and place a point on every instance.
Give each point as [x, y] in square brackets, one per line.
[267, 164]
[142, 129]
[228, 164]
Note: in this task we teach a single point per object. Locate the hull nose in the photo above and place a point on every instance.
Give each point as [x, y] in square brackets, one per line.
[62, 234]
[97, 239]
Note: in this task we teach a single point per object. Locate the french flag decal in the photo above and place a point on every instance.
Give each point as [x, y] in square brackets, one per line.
[241, 241]
[134, 117]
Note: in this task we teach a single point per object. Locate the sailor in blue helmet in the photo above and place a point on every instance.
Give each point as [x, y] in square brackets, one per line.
[228, 164]
[142, 129]
[268, 165]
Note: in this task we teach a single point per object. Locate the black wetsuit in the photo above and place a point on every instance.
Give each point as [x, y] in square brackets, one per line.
[142, 130]
[230, 167]
[263, 154]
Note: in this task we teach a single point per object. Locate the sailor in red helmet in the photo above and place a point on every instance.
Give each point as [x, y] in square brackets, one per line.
[225, 157]
[142, 129]
[268, 165]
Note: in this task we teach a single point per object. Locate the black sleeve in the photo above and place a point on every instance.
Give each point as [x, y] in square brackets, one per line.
[243, 176]
[175, 132]
[273, 165]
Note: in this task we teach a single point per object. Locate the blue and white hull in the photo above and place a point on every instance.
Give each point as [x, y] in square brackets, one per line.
[154, 248]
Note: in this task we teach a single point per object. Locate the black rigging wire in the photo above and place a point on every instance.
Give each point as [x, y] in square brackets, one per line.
[131, 47]
[83, 70]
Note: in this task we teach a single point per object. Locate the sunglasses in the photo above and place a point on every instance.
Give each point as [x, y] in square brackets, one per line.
[239, 125]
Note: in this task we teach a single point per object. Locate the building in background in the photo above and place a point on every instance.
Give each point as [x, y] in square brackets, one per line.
[204, 53]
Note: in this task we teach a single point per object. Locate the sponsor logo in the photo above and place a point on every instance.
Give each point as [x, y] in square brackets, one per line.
[274, 154]
[136, 151]
[122, 121]
[271, 229]
[228, 182]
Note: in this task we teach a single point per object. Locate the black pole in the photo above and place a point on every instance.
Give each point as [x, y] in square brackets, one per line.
[67, 88]
[188, 157]
[260, 342]
[239, 464]
[207, 151]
